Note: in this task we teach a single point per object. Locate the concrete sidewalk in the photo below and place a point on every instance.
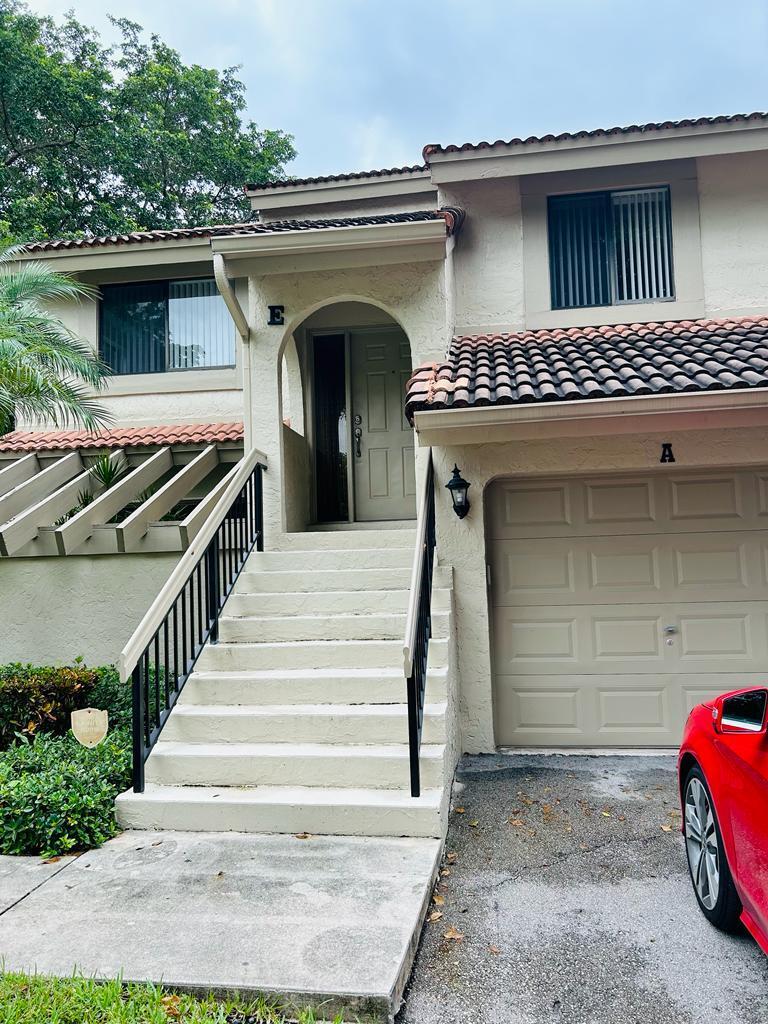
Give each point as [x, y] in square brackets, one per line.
[328, 922]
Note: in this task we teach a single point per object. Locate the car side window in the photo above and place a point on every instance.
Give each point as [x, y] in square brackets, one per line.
[745, 711]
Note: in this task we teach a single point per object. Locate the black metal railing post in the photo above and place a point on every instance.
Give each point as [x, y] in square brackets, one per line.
[212, 587]
[419, 624]
[139, 715]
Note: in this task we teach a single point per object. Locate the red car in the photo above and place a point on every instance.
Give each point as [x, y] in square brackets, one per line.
[723, 773]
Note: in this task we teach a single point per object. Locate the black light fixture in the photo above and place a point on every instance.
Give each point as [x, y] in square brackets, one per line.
[459, 487]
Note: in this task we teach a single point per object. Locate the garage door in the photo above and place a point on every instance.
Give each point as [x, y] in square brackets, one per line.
[618, 604]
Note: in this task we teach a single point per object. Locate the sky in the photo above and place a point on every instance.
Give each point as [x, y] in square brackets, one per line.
[368, 83]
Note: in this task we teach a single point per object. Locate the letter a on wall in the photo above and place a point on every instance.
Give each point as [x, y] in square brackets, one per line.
[666, 453]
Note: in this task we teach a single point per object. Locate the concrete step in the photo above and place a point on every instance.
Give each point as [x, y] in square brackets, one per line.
[310, 686]
[258, 629]
[353, 812]
[303, 654]
[300, 723]
[383, 766]
[346, 539]
[332, 558]
[331, 602]
[256, 581]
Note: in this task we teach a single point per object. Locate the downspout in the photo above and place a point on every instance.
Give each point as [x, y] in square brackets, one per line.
[227, 293]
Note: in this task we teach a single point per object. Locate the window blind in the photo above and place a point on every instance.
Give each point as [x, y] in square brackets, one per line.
[156, 326]
[607, 248]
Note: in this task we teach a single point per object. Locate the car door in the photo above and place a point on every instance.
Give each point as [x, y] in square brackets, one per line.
[743, 745]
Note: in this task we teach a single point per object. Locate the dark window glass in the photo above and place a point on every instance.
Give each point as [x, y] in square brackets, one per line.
[165, 325]
[331, 443]
[746, 711]
[609, 248]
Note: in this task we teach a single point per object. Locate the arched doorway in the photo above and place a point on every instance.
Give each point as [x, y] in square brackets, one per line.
[355, 361]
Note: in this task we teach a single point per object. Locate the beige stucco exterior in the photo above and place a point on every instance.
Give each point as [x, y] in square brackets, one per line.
[492, 278]
[54, 610]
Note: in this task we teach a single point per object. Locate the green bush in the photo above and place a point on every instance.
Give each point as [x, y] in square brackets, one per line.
[40, 699]
[56, 796]
[36, 699]
[111, 695]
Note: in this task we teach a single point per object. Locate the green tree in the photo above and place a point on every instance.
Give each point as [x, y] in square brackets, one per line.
[97, 139]
[46, 372]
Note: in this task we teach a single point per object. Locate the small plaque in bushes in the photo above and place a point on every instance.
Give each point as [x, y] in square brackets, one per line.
[89, 726]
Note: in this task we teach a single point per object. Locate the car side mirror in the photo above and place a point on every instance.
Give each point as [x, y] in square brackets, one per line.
[741, 713]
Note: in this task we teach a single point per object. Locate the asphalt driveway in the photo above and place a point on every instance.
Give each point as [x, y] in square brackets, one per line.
[565, 899]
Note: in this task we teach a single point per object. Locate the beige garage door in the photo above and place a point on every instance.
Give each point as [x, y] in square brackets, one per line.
[618, 604]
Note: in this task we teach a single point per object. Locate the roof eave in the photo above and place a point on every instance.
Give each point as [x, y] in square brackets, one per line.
[535, 157]
[592, 417]
[335, 239]
[416, 183]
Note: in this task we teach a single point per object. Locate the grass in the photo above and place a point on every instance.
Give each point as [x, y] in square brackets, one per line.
[33, 999]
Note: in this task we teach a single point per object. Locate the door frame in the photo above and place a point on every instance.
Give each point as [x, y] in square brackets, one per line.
[311, 334]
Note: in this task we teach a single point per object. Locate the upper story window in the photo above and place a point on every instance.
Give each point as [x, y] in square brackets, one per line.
[154, 326]
[608, 248]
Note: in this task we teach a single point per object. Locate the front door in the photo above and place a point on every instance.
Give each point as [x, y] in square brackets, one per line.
[382, 440]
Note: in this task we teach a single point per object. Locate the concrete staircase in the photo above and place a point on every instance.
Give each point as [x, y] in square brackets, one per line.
[296, 721]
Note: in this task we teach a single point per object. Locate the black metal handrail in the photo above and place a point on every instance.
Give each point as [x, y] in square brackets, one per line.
[418, 627]
[191, 602]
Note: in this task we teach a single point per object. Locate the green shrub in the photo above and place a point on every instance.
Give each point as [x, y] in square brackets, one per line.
[35, 699]
[111, 695]
[40, 699]
[56, 796]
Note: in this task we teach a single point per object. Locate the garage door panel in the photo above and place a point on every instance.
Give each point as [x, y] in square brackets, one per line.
[620, 603]
[646, 569]
[664, 502]
[625, 711]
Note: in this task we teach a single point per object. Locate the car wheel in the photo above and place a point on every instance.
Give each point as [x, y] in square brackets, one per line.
[710, 874]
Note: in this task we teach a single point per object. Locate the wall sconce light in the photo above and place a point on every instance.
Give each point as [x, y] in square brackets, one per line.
[459, 487]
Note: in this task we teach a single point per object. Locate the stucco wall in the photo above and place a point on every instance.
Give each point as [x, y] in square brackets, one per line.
[733, 198]
[488, 258]
[296, 476]
[461, 543]
[55, 609]
[412, 294]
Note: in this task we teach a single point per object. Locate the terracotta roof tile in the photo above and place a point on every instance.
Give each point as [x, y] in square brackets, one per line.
[632, 129]
[121, 437]
[450, 215]
[580, 363]
[384, 172]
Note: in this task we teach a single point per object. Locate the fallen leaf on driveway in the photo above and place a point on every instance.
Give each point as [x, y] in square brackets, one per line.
[451, 857]
[474, 824]
[52, 860]
[459, 810]
[435, 916]
[666, 828]
[444, 872]
[303, 835]
[494, 949]
[438, 900]
[606, 814]
[453, 935]
[517, 822]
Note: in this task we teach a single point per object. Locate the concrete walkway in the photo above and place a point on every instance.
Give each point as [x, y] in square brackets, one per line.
[567, 879]
[328, 922]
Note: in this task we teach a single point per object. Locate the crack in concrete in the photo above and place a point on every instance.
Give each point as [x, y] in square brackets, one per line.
[53, 874]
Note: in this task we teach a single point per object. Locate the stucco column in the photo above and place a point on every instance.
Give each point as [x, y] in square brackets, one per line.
[461, 543]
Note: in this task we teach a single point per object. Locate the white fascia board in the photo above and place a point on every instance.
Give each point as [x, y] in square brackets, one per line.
[355, 190]
[314, 240]
[608, 151]
[592, 417]
[125, 256]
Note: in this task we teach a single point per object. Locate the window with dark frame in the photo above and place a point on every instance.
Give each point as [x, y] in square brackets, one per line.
[160, 326]
[610, 248]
